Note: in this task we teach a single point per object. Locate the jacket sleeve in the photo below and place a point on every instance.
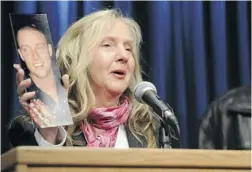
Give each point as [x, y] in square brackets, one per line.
[62, 134]
[206, 137]
[21, 131]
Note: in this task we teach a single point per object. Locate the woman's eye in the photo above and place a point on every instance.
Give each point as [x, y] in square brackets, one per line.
[128, 49]
[106, 45]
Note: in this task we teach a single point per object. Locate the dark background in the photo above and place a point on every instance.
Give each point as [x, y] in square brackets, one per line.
[193, 52]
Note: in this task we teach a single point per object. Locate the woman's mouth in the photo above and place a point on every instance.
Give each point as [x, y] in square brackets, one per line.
[119, 74]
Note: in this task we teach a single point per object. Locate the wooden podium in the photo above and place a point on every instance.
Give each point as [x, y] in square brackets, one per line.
[81, 159]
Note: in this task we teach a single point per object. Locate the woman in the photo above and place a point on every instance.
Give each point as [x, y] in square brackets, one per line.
[99, 55]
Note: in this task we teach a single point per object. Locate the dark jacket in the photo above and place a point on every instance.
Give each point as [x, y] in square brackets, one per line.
[21, 132]
[227, 122]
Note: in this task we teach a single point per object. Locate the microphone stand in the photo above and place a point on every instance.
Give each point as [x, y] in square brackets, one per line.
[165, 133]
[164, 136]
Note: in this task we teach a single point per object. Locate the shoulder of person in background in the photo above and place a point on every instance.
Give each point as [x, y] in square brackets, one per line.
[226, 124]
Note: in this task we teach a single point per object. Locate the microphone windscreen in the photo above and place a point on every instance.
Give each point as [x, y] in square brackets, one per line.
[141, 88]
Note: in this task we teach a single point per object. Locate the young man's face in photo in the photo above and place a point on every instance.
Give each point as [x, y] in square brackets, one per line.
[35, 52]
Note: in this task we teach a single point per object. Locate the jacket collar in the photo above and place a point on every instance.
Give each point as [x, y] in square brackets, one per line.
[241, 102]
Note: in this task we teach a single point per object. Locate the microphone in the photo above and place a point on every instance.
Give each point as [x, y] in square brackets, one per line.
[145, 92]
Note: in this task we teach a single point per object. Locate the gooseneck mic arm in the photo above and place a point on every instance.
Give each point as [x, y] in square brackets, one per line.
[145, 92]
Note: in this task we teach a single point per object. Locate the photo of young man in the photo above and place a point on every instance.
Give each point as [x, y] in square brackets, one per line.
[49, 107]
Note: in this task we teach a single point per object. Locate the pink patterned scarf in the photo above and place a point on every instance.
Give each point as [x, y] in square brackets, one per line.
[107, 120]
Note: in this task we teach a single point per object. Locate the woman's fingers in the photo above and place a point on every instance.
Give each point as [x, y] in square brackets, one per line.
[17, 66]
[20, 73]
[22, 86]
[40, 106]
[38, 117]
[43, 114]
[65, 80]
[25, 97]
[33, 114]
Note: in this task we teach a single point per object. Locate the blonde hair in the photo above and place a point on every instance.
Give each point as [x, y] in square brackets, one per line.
[74, 56]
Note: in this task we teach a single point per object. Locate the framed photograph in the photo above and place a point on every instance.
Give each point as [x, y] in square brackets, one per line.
[36, 55]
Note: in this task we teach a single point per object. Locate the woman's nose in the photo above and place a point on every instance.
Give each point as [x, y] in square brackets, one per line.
[122, 55]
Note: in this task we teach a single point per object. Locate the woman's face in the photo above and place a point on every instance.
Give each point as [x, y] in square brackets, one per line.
[113, 63]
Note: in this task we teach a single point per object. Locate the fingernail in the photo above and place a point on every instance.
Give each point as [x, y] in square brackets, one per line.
[14, 65]
[35, 110]
[19, 70]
